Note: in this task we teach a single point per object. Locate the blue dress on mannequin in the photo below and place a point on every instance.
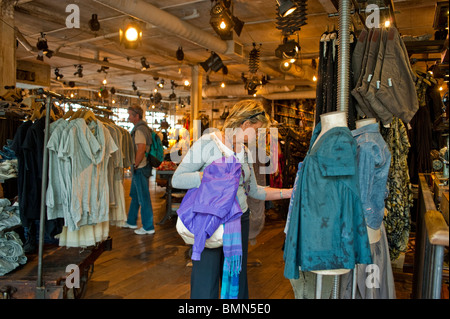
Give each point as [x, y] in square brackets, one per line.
[327, 229]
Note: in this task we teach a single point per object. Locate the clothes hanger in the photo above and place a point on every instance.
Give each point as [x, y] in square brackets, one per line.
[89, 116]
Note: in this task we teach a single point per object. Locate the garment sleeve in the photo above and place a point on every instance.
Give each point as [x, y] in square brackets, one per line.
[256, 191]
[337, 155]
[187, 175]
[139, 138]
[366, 169]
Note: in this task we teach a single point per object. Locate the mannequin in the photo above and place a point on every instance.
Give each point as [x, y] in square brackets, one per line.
[374, 234]
[332, 128]
[329, 121]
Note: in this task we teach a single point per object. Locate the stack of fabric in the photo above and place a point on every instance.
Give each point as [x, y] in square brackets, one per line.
[11, 252]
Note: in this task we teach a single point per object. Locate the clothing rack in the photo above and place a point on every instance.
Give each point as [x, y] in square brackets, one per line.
[49, 98]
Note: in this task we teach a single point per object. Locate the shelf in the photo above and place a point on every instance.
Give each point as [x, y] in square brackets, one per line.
[427, 46]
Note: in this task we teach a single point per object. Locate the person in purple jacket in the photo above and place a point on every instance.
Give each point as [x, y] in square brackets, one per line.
[240, 128]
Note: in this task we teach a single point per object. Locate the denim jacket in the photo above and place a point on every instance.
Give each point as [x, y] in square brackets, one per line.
[373, 161]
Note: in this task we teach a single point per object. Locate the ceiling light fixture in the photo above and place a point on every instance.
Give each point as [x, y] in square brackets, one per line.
[285, 66]
[104, 68]
[214, 63]
[285, 7]
[223, 21]
[94, 25]
[180, 54]
[289, 49]
[42, 45]
[130, 34]
[160, 84]
[144, 64]
[58, 75]
[79, 71]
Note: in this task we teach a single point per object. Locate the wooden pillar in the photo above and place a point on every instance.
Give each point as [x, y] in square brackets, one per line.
[196, 102]
[7, 46]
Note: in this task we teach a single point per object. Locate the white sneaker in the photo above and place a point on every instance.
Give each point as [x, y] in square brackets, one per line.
[142, 231]
[126, 225]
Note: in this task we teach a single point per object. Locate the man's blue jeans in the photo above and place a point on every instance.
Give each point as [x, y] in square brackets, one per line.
[140, 197]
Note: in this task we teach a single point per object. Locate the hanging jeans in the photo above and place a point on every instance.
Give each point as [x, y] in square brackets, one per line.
[207, 272]
[140, 197]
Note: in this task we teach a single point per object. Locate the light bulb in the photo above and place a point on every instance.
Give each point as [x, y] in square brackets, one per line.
[222, 85]
[314, 78]
[131, 34]
[223, 25]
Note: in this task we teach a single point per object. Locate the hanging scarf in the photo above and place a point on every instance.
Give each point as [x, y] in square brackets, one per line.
[232, 250]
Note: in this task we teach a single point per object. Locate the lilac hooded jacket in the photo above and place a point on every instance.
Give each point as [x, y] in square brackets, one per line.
[214, 202]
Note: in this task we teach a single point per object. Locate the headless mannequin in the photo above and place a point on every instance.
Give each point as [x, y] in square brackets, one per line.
[329, 121]
[374, 234]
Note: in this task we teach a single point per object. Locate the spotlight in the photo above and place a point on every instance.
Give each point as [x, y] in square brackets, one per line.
[214, 62]
[130, 35]
[172, 96]
[133, 85]
[42, 45]
[94, 25]
[285, 66]
[160, 84]
[223, 21]
[58, 75]
[79, 71]
[288, 49]
[112, 90]
[103, 93]
[144, 64]
[285, 7]
[180, 54]
[186, 83]
[158, 98]
[103, 68]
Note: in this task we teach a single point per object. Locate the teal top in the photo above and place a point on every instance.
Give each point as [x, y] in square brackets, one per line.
[327, 229]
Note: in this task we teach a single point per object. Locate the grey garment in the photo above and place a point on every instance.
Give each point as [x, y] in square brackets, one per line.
[366, 282]
[202, 153]
[397, 88]
[383, 113]
[9, 217]
[361, 107]
[4, 202]
[56, 183]
[367, 72]
[305, 286]
[358, 55]
[11, 252]
[257, 206]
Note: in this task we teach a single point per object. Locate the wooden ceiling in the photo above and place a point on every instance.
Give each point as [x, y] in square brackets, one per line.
[74, 46]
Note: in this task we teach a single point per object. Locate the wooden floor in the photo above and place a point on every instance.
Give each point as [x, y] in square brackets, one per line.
[157, 266]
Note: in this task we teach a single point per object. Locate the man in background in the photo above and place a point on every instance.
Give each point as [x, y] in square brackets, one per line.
[139, 190]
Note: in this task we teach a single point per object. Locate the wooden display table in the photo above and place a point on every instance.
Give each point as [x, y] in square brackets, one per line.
[21, 282]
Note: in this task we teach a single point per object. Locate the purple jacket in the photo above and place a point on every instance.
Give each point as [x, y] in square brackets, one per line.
[214, 202]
